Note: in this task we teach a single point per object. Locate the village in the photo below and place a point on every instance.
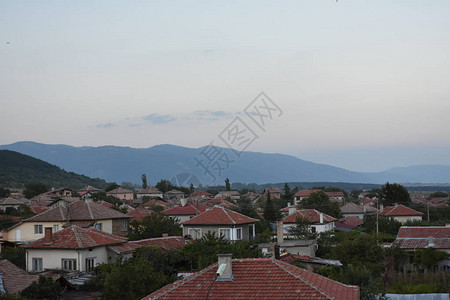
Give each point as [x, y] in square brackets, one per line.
[169, 242]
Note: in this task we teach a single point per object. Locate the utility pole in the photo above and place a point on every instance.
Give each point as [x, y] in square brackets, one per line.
[377, 216]
[428, 212]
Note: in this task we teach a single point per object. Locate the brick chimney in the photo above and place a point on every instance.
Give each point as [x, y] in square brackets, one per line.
[48, 237]
[225, 269]
[280, 233]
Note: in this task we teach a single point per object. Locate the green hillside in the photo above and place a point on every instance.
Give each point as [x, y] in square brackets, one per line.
[17, 169]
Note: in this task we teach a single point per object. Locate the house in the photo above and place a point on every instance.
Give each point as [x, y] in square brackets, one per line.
[221, 202]
[61, 192]
[150, 192]
[221, 221]
[336, 196]
[174, 195]
[348, 223]
[200, 196]
[167, 243]
[320, 222]
[121, 193]
[411, 238]
[88, 192]
[185, 211]
[290, 209]
[63, 201]
[309, 262]
[71, 249]
[84, 214]
[139, 214]
[401, 213]
[155, 202]
[353, 210]
[6, 204]
[255, 278]
[233, 195]
[275, 193]
[14, 279]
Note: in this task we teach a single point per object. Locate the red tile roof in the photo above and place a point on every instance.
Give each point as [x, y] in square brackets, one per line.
[305, 193]
[349, 222]
[139, 214]
[38, 209]
[220, 216]
[78, 211]
[257, 279]
[75, 237]
[169, 243]
[200, 193]
[399, 210]
[119, 190]
[149, 190]
[220, 202]
[190, 209]
[14, 278]
[310, 214]
[11, 201]
[352, 208]
[286, 209]
[419, 237]
[105, 204]
[335, 194]
[153, 202]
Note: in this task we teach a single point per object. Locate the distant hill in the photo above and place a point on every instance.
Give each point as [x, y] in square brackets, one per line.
[124, 164]
[17, 169]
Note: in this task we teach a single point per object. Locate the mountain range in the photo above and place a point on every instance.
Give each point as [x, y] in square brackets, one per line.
[210, 166]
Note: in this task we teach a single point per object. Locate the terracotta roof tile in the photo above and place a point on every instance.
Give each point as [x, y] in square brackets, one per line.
[149, 190]
[119, 190]
[169, 243]
[310, 214]
[399, 210]
[189, 209]
[349, 222]
[352, 208]
[75, 237]
[139, 214]
[14, 278]
[78, 211]
[419, 237]
[257, 279]
[220, 216]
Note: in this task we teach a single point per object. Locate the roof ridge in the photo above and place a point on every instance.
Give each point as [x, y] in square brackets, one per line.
[77, 237]
[278, 263]
[228, 215]
[89, 210]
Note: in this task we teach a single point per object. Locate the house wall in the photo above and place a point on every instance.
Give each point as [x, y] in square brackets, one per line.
[160, 195]
[27, 231]
[318, 227]
[404, 219]
[51, 258]
[123, 196]
[116, 227]
[215, 229]
[360, 216]
[181, 218]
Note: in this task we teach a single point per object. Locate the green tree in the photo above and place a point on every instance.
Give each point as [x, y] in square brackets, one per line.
[191, 189]
[227, 184]
[132, 279]
[16, 255]
[111, 187]
[269, 211]
[4, 192]
[428, 258]
[438, 195]
[144, 181]
[153, 226]
[33, 189]
[385, 225]
[321, 202]
[394, 193]
[44, 288]
[164, 185]
[287, 192]
[302, 229]
[355, 193]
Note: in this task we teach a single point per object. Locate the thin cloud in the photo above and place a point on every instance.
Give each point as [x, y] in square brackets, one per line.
[159, 119]
[105, 125]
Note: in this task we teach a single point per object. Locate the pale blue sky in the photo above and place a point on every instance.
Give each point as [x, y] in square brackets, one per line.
[363, 85]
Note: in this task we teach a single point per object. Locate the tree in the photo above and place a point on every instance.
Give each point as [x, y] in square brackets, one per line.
[438, 195]
[164, 185]
[15, 255]
[111, 187]
[355, 193]
[287, 191]
[394, 193]
[302, 229]
[44, 288]
[144, 181]
[153, 226]
[227, 184]
[4, 192]
[428, 258]
[321, 202]
[191, 189]
[33, 189]
[269, 211]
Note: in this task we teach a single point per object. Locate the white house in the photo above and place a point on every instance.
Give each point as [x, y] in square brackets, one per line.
[401, 213]
[319, 221]
[71, 249]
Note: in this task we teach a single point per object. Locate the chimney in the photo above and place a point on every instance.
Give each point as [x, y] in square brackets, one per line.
[292, 210]
[48, 237]
[183, 201]
[321, 218]
[280, 233]
[225, 270]
[275, 250]
[289, 204]
[430, 242]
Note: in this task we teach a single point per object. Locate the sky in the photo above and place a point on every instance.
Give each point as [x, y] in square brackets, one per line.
[359, 85]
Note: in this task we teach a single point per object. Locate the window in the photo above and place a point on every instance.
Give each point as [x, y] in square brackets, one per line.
[37, 265]
[98, 226]
[37, 229]
[90, 263]
[225, 232]
[195, 233]
[69, 264]
[251, 230]
[124, 225]
[55, 228]
[238, 233]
